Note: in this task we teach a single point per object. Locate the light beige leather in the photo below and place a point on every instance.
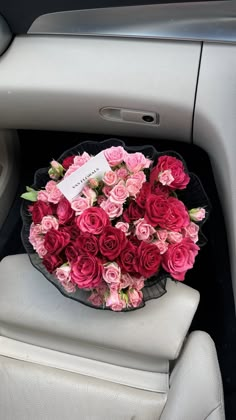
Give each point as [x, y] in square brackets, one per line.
[57, 360]
[34, 311]
[34, 392]
[196, 391]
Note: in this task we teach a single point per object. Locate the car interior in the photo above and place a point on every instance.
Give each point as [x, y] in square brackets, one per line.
[162, 74]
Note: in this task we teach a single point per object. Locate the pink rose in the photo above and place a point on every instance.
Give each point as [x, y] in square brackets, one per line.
[123, 226]
[125, 281]
[81, 160]
[96, 299]
[35, 235]
[115, 302]
[80, 204]
[122, 173]
[197, 214]
[40, 248]
[56, 170]
[119, 193]
[161, 245]
[191, 231]
[54, 195]
[71, 169]
[135, 162]
[165, 177]
[143, 230]
[134, 183]
[90, 194]
[106, 190]
[179, 258]
[43, 196]
[86, 271]
[110, 178]
[174, 237]
[138, 282]
[111, 273]
[49, 187]
[93, 183]
[113, 210]
[68, 286]
[93, 220]
[135, 297]
[63, 273]
[115, 155]
[162, 234]
[49, 222]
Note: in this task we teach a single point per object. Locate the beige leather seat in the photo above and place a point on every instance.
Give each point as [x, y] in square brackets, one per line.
[60, 359]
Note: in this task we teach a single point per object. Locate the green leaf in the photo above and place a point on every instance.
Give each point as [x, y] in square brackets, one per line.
[30, 196]
[29, 189]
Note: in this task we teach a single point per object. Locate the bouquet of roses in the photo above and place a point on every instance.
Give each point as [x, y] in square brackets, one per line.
[123, 228]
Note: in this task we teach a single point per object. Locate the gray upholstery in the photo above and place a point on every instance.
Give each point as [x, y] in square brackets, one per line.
[60, 359]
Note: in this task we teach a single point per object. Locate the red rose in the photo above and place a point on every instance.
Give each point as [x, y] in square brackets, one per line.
[40, 209]
[177, 216]
[67, 162]
[71, 253]
[160, 189]
[72, 230]
[156, 209]
[93, 220]
[181, 178]
[55, 241]
[86, 272]
[127, 258]
[133, 212]
[167, 213]
[51, 262]
[148, 259]
[64, 211]
[87, 244]
[111, 242]
[179, 258]
[143, 194]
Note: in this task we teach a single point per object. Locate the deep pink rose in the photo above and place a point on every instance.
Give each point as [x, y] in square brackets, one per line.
[177, 172]
[87, 243]
[72, 230]
[179, 258]
[115, 155]
[51, 262]
[133, 212]
[40, 209]
[67, 162]
[64, 211]
[127, 258]
[148, 259]
[168, 213]
[55, 241]
[86, 272]
[111, 242]
[71, 253]
[93, 220]
[143, 194]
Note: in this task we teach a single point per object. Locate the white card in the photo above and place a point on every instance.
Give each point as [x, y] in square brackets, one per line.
[72, 186]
